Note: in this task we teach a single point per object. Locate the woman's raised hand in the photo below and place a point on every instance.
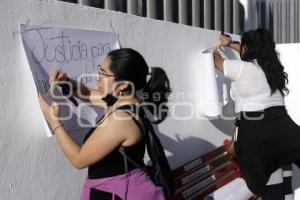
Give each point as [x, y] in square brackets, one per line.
[58, 75]
[59, 78]
[224, 40]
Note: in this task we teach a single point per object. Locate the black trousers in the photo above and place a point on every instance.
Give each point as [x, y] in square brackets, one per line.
[265, 144]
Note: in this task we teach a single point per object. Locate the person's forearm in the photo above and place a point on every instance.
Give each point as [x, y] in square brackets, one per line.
[219, 61]
[235, 46]
[68, 146]
[219, 64]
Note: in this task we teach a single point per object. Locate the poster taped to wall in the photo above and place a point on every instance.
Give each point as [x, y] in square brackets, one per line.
[76, 52]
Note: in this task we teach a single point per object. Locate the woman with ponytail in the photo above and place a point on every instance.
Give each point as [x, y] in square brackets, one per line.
[266, 138]
[124, 80]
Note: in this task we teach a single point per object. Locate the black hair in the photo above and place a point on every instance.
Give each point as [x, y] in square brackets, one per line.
[258, 44]
[129, 65]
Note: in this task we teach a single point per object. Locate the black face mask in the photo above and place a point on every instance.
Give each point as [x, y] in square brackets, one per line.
[109, 99]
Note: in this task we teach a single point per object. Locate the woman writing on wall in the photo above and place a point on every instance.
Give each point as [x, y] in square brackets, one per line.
[266, 138]
[121, 75]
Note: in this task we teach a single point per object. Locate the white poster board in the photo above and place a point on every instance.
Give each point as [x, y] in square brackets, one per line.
[211, 96]
[213, 85]
[78, 53]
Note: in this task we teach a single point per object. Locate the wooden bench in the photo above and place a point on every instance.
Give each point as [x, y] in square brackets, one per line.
[205, 174]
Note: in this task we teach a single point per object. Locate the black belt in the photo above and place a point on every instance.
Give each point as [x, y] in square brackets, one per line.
[261, 114]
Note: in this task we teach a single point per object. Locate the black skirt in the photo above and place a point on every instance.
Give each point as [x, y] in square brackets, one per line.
[266, 141]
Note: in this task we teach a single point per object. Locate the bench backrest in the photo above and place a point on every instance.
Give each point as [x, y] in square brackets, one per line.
[203, 175]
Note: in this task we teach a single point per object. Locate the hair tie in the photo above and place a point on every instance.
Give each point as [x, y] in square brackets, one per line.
[148, 77]
[150, 71]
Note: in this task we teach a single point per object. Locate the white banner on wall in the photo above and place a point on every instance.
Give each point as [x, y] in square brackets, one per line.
[211, 87]
[78, 53]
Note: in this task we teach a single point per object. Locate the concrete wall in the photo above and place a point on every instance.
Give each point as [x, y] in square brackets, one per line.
[32, 166]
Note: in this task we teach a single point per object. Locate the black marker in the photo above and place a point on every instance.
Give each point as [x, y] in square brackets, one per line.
[65, 88]
[229, 37]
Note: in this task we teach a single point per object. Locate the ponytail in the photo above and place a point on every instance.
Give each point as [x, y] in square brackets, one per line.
[156, 93]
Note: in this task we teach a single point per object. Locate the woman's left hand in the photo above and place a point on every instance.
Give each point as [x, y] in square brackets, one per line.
[51, 112]
[224, 40]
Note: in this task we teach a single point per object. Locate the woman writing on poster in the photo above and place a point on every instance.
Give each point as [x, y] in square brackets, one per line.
[121, 75]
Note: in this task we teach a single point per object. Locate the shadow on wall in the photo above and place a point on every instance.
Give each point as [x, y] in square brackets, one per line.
[185, 147]
[181, 148]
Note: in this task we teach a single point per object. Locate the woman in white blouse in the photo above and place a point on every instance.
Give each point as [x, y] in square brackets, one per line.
[267, 138]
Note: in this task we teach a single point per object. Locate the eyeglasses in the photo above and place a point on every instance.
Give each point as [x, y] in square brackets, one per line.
[103, 74]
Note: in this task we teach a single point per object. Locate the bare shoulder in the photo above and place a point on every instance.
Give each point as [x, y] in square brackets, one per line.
[122, 124]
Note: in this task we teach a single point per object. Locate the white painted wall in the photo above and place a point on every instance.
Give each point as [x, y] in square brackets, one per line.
[32, 166]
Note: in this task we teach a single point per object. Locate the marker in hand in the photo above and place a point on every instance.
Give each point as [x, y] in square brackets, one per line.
[230, 39]
[66, 90]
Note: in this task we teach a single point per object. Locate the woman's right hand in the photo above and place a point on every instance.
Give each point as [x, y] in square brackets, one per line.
[223, 40]
[57, 75]
[59, 78]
